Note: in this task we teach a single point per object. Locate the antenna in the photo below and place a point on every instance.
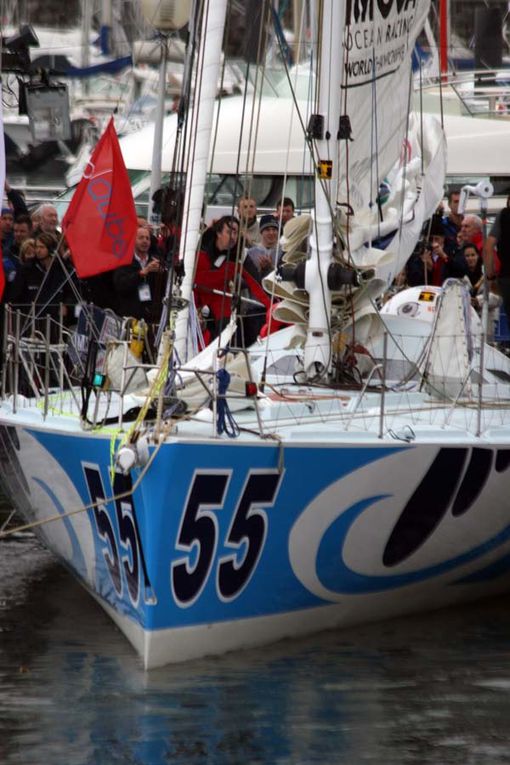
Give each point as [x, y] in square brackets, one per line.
[483, 190]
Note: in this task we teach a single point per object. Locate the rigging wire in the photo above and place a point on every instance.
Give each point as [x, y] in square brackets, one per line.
[177, 179]
[293, 89]
[183, 158]
[421, 118]
[405, 153]
[248, 174]
[253, 130]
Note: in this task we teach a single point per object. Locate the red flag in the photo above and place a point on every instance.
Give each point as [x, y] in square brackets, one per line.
[100, 223]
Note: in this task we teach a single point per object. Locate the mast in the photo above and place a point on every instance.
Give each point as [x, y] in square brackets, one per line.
[105, 31]
[325, 134]
[86, 25]
[157, 146]
[166, 16]
[209, 63]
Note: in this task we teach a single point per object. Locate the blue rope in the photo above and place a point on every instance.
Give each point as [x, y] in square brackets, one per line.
[225, 423]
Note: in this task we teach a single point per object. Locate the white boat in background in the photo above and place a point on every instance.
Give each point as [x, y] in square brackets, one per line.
[282, 165]
[350, 467]
[478, 149]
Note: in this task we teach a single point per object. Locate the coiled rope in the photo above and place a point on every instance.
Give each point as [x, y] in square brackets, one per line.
[225, 422]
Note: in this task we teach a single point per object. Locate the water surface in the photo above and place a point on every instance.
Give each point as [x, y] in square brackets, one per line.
[433, 689]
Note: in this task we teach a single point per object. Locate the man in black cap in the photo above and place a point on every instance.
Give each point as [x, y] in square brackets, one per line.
[263, 255]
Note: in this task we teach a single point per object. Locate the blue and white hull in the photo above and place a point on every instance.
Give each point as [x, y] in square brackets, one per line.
[225, 545]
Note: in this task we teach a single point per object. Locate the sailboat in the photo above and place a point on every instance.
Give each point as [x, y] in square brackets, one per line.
[349, 467]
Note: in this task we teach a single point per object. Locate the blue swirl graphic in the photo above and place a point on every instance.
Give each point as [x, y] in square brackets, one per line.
[494, 570]
[77, 560]
[334, 573]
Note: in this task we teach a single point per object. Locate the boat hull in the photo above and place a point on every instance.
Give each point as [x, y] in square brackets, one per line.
[222, 546]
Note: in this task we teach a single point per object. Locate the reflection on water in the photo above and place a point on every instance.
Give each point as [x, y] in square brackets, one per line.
[425, 690]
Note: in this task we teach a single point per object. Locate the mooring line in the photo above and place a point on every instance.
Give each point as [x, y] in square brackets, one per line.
[90, 506]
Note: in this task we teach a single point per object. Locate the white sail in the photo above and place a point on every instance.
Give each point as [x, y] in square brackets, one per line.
[392, 171]
[380, 169]
[376, 91]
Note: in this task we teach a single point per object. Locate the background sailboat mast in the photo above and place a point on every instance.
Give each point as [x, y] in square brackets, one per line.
[157, 146]
[86, 26]
[209, 64]
[331, 19]
[444, 23]
[106, 27]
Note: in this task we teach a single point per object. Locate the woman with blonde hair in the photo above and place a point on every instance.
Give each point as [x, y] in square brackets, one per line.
[27, 251]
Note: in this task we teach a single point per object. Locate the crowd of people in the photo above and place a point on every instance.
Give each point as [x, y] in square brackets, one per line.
[236, 252]
[452, 248]
[455, 245]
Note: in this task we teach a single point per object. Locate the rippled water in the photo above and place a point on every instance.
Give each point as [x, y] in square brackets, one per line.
[433, 689]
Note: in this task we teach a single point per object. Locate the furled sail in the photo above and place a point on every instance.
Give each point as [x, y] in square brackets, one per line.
[392, 166]
[386, 171]
[376, 82]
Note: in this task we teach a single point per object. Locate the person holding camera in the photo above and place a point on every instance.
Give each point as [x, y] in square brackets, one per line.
[430, 263]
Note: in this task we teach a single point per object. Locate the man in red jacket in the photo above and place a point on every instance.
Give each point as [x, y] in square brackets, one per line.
[215, 282]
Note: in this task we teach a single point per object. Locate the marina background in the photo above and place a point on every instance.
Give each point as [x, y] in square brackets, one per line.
[433, 689]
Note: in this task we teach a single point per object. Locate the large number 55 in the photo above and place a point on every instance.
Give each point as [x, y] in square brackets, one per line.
[197, 537]
[121, 548]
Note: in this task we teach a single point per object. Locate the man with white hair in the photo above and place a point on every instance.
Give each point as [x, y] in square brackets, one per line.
[471, 231]
[47, 217]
